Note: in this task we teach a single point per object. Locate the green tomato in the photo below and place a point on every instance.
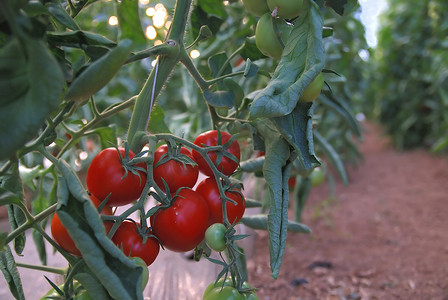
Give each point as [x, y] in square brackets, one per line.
[225, 293]
[286, 9]
[266, 38]
[215, 237]
[317, 177]
[145, 273]
[256, 7]
[227, 283]
[314, 89]
[83, 295]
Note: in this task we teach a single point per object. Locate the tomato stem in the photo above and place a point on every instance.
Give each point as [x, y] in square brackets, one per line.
[59, 271]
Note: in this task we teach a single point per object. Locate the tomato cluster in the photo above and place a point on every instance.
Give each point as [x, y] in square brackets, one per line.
[179, 224]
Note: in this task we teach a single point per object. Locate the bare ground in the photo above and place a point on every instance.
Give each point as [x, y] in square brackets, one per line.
[382, 237]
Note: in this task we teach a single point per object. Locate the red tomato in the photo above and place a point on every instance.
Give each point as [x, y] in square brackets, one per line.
[182, 226]
[130, 241]
[175, 173]
[210, 138]
[105, 175]
[61, 236]
[208, 188]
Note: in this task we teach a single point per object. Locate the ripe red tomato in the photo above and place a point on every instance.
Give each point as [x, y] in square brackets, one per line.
[210, 138]
[182, 226]
[105, 175]
[60, 233]
[130, 241]
[208, 188]
[175, 173]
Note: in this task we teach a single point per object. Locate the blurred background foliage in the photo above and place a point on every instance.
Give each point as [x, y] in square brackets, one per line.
[408, 83]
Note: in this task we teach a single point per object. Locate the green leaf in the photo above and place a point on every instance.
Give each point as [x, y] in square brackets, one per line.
[300, 196]
[31, 83]
[251, 69]
[10, 273]
[12, 190]
[200, 16]
[114, 270]
[60, 14]
[252, 203]
[216, 62]
[342, 7]
[237, 90]
[302, 60]
[157, 122]
[98, 73]
[341, 108]
[332, 155]
[129, 22]
[278, 159]
[297, 129]
[92, 285]
[252, 165]
[220, 98]
[78, 39]
[250, 50]
[39, 242]
[261, 222]
[108, 135]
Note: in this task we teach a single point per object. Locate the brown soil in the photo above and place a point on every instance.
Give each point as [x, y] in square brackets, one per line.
[382, 237]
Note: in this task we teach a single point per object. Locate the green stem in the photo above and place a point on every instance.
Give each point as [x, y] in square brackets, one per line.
[162, 49]
[42, 268]
[159, 75]
[30, 223]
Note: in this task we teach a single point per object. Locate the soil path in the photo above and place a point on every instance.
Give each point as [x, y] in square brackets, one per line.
[382, 237]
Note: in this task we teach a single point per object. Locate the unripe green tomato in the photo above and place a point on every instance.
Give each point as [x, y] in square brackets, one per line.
[314, 89]
[225, 293]
[317, 177]
[256, 7]
[286, 9]
[266, 38]
[215, 237]
[145, 273]
[83, 295]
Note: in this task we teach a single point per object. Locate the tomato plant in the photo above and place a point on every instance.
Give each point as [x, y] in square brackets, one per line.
[132, 242]
[108, 175]
[60, 233]
[228, 159]
[209, 190]
[215, 237]
[72, 87]
[182, 226]
[176, 171]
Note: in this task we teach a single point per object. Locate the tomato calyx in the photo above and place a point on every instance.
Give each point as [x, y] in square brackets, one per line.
[130, 165]
[174, 153]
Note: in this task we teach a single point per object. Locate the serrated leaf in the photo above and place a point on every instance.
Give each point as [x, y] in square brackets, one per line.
[108, 135]
[78, 39]
[157, 121]
[297, 129]
[332, 155]
[342, 7]
[250, 50]
[12, 190]
[302, 60]
[220, 98]
[29, 67]
[251, 69]
[261, 222]
[114, 270]
[10, 273]
[60, 14]
[129, 22]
